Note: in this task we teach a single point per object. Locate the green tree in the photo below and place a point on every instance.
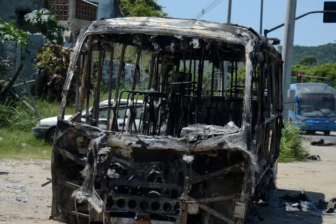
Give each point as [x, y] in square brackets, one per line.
[308, 60]
[327, 70]
[9, 32]
[142, 8]
[47, 23]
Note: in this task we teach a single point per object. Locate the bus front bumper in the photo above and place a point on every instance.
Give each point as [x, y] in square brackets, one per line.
[317, 127]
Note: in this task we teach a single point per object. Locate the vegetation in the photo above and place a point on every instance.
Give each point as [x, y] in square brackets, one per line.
[54, 61]
[327, 70]
[323, 53]
[16, 122]
[142, 8]
[5, 65]
[47, 23]
[9, 32]
[308, 60]
[291, 148]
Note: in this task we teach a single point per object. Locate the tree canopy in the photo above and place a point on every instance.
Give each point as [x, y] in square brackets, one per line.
[47, 23]
[323, 53]
[308, 60]
[142, 8]
[327, 70]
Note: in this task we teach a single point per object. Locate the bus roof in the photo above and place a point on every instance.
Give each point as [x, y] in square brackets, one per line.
[179, 27]
[312, 88]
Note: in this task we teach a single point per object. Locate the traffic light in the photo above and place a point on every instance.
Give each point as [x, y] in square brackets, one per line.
[298, 78]
[329, 17]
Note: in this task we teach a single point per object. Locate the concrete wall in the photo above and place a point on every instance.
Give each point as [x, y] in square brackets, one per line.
[39, 41]
[12, 49]
[128, 73]
[9, 10]
[108, 9]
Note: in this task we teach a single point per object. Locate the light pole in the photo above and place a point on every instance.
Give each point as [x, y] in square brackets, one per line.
[287, 53]
[261, 15]
[228, 19]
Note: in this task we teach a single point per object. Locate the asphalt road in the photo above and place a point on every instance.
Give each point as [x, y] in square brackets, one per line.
[319, 135]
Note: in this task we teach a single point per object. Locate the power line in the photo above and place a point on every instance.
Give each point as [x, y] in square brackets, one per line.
[208, 8]
[210, 2]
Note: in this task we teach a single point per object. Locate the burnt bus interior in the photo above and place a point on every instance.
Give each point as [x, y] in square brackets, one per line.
[185, 83]
[169, 163]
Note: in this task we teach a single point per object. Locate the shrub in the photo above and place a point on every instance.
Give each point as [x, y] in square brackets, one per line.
[9, 32]
[13, 115]
[291, 148]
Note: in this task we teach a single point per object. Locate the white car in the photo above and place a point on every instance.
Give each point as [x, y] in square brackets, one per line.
[45, 128]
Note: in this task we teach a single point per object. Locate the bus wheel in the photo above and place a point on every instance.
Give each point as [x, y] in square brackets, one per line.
[326, 132]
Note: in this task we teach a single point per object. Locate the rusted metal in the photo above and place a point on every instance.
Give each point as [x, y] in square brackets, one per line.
[185, 151]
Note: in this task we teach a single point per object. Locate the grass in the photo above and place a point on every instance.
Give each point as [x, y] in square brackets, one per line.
[11, 146]
[16, 122]
[18, 140]
[291, 148]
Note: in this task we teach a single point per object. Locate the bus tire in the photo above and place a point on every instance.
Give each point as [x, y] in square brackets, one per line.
[50, 136]
[326, 132]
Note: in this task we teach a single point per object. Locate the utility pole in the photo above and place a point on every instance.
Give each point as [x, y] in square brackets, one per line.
[228, 20]
[287, 53]
[261, 15]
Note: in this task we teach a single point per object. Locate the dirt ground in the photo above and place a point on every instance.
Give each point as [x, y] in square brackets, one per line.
[23, 200]
[316, 178]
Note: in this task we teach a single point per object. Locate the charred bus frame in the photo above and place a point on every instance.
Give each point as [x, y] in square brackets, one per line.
[201, 152]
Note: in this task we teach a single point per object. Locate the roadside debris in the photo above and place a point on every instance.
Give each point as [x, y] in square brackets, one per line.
[21, 199]
[328, 207]
[314, 157]
[304, 206]
[321, 143]
[303, 196]
[46, 183]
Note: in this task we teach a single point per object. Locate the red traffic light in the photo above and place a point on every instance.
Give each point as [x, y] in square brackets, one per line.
[298, 78]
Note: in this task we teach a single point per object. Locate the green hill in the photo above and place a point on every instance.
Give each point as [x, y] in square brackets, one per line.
[323, 53]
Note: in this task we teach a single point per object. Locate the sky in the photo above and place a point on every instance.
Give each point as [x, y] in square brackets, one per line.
[309, 30]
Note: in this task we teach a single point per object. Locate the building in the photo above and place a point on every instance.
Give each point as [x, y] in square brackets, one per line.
[75, 14]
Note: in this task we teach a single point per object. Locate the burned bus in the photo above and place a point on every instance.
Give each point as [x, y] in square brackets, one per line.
[196, 143]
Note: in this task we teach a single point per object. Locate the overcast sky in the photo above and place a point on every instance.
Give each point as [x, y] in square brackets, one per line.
[309, 30]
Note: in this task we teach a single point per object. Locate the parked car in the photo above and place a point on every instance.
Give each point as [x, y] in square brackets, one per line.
[45, 128]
